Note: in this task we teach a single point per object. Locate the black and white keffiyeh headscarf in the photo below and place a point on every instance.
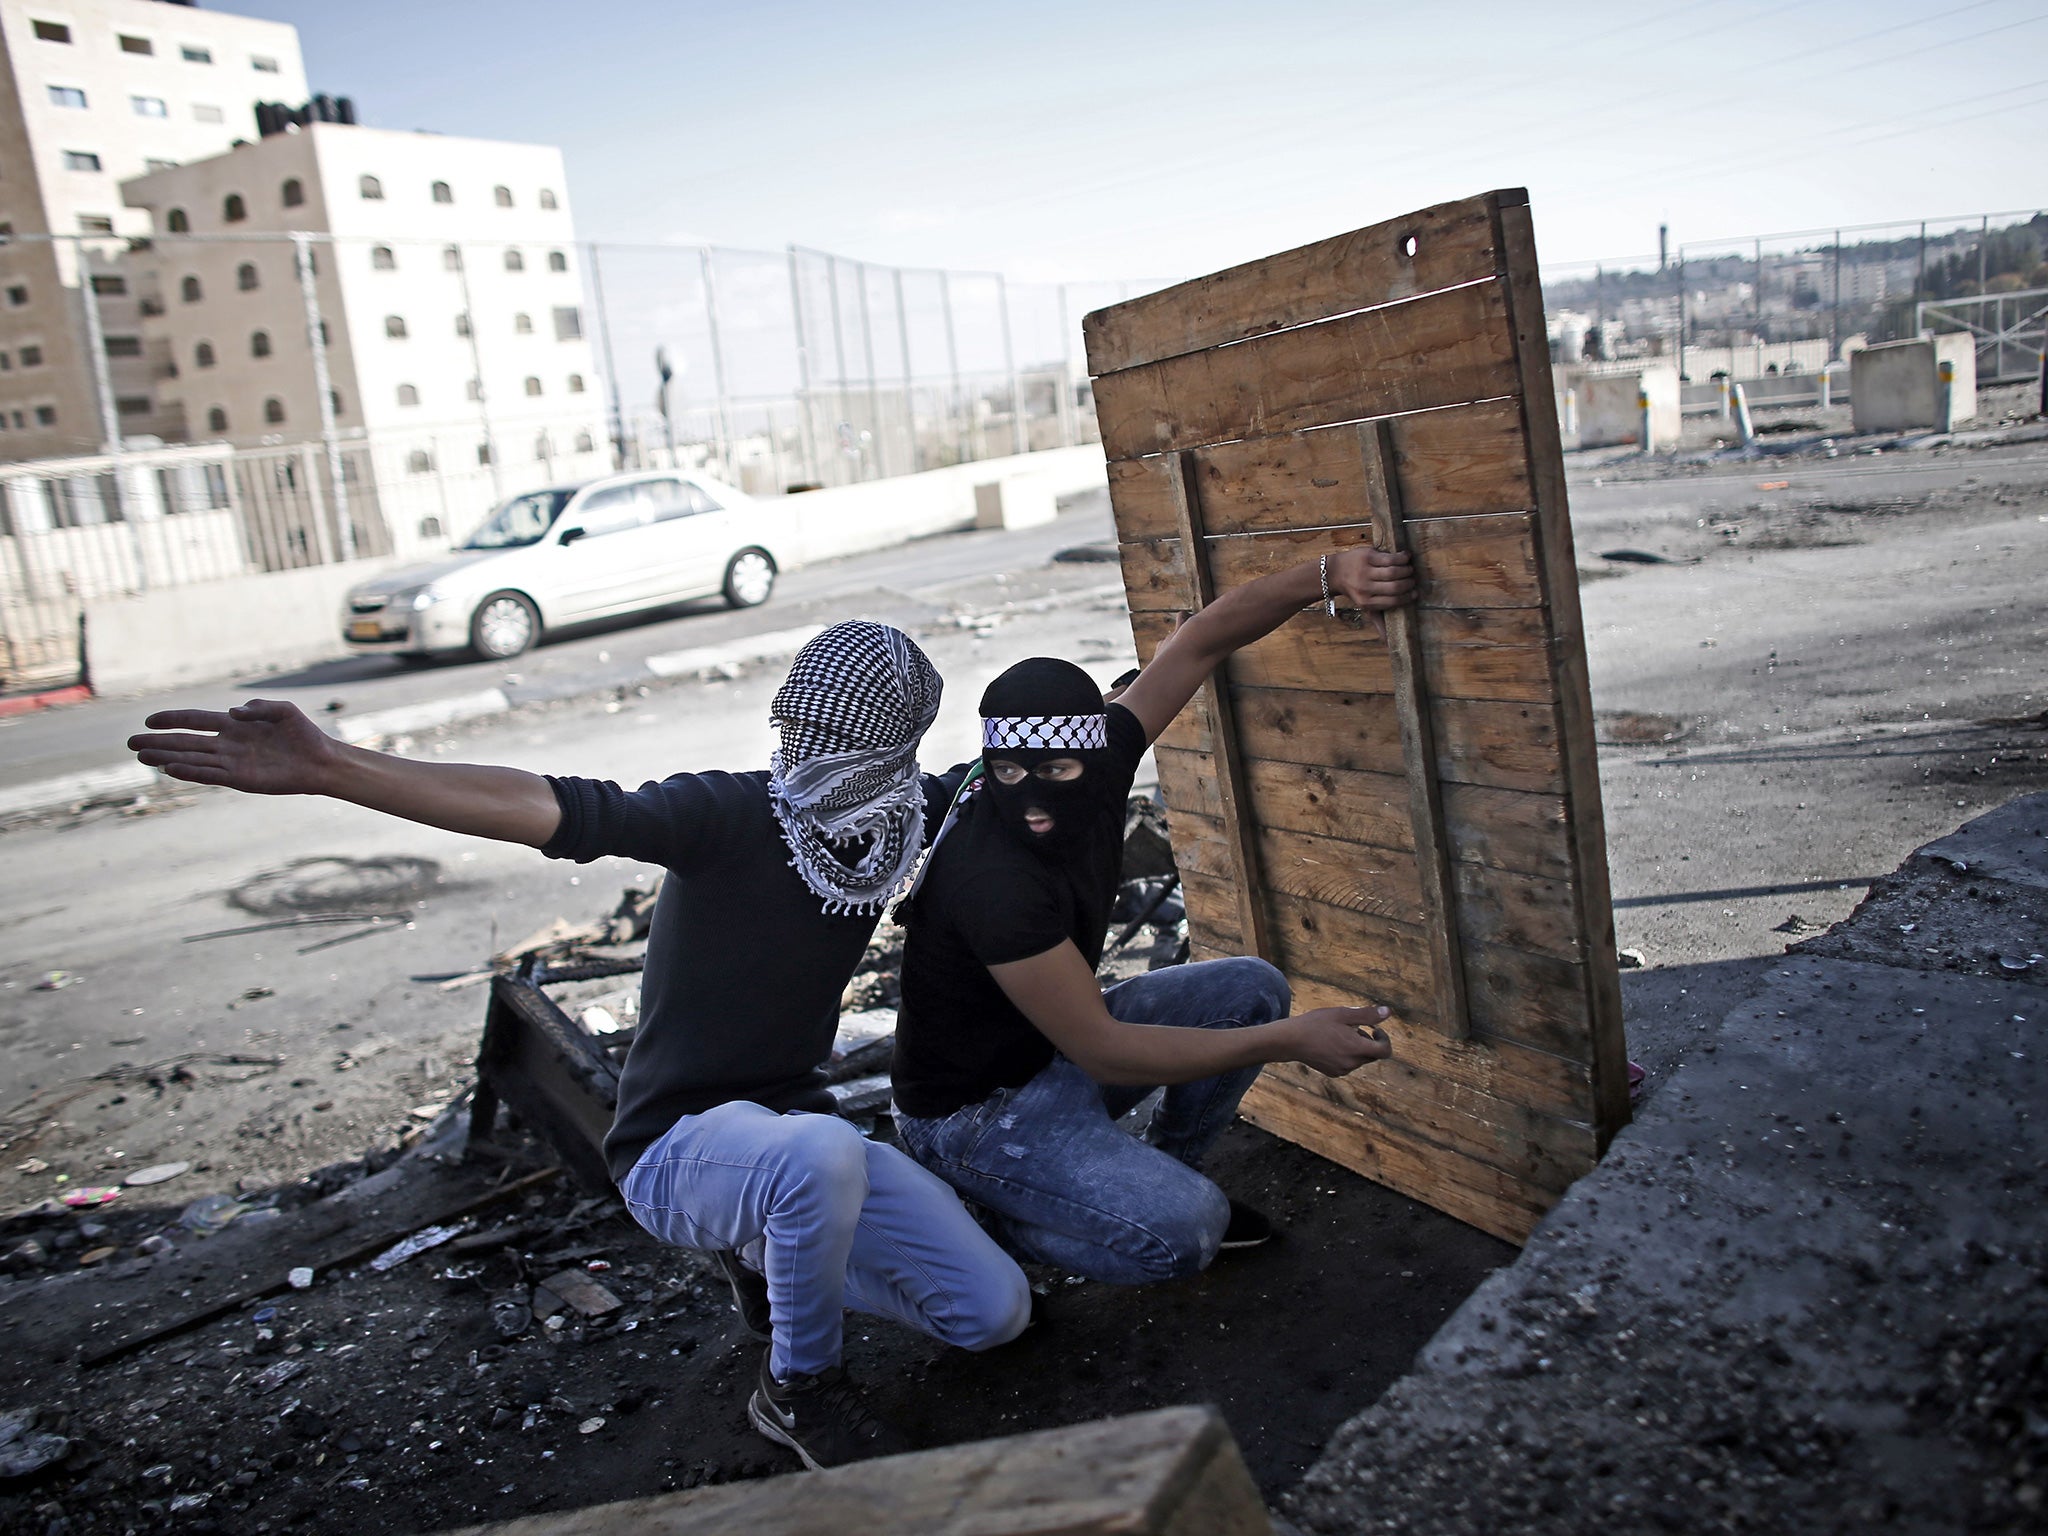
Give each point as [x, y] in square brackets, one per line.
[858, 699]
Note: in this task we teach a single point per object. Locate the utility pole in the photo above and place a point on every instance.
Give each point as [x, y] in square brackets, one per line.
[1835, 309]
[806, 428]
[1019, 441]
[611, 368]
[725, 447]
[476, 361]
[309, 296]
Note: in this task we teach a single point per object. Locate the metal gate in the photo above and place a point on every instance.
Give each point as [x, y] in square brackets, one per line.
[2011, 330]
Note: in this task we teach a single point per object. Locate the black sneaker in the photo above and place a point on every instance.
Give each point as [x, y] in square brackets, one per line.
[749, 1292]
[1247, 1229]
[823, 1418]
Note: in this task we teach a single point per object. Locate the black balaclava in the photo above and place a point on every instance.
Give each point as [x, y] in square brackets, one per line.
[1039, 710]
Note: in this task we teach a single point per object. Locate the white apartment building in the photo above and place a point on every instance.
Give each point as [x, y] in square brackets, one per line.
[92, 93]
[446, 287]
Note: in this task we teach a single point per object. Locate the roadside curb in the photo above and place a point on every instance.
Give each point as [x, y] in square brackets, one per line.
[50, 698]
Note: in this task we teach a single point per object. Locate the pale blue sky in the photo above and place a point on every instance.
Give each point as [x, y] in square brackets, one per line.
[1107, 140]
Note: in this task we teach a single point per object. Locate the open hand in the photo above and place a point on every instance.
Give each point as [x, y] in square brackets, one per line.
[1339, 1040]
[263, 747]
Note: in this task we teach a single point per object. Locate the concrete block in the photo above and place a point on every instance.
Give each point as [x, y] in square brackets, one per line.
[1015, 501]
[1896, 385]
[1609, 412]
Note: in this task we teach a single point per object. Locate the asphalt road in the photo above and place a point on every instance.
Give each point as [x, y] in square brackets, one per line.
[1832, 681]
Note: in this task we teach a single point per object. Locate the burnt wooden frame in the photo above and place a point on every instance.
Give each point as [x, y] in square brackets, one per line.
[1415, 822]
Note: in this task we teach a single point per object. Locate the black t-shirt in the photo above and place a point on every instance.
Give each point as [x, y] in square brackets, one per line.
[987, 899]
[740, 997]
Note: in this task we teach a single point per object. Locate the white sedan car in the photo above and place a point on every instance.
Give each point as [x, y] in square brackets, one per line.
[565, 555]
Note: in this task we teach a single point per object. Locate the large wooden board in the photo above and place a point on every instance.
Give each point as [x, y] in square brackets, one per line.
[1415, 823]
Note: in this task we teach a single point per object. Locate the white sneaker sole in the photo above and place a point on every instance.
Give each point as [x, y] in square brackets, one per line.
[770, 1427]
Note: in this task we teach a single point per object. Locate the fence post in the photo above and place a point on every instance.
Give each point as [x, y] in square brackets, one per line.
[611, 366]
[807, 438]
[309, 471]
[476, 361]
[953, 362]
[867, 346]
[309, 297]
[725, 448]
[110, 419]
[1744, 429]
[1020, 441]
[838, 347]
[915, 460]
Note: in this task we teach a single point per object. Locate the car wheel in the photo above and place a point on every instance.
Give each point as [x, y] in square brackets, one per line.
[749, 578]
[504, 624]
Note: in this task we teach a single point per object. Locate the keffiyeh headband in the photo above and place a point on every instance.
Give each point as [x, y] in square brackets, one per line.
[1074, 733]
[858, 699]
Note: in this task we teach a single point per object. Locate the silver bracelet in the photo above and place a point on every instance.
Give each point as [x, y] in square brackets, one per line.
[1323, 574]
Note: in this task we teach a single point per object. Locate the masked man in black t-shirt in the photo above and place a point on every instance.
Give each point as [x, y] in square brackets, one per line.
[1012, 1067]
[724, 1137]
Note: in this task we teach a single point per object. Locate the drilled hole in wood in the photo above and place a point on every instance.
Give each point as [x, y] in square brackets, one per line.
[1408, 246]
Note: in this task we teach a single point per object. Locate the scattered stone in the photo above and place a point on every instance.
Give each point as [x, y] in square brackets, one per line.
[300, 1278]
[156, 1173]
[1631, 959]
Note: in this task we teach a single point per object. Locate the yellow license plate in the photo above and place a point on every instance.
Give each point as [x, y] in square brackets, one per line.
[365, 629]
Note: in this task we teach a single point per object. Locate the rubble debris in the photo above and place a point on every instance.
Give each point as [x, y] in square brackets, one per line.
[212, 1213]
[419, 1242]
[1148, 850]
[573, 1288]
[57, 981]
[1631, 959]
[296, 920]
[156, 1173]
[300, 1277]
[23, 1450]
[270, 1378]
[89, 1196]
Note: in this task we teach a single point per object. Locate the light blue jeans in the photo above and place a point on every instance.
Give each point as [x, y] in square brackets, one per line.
[1066, 1186]
[838, 1221]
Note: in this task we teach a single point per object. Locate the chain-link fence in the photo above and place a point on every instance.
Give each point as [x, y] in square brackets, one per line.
[1752, 305]
[228, 405]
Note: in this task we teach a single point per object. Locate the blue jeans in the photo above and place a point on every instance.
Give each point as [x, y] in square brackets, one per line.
[839, 1221]
[1065, 1185]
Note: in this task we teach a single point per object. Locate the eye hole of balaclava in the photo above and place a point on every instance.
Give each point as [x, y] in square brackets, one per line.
[1023, 705]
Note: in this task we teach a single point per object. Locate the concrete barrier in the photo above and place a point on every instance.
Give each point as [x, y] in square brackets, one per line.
[1898, 385]
[1609, 411]
[285, 619]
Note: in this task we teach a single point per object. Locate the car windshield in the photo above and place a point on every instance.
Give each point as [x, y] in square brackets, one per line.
[520, 521]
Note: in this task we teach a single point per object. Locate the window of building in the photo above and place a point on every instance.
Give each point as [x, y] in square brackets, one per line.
[547, 199]
[483, 453]
[46, 415]
[335, 405]
[451, 258]
[177, 222]
[542, 448]
[372, 189]
[95, 224]
[17, 294]
[53, 32]
[408, 394]
[132, 405]
[575, 383]
[523, 324]
[419, 462]
[31, 357]
[502, 196]
[205, 114]
[382, 259]
[136, 44]
[190, 291]
[81, 160]
[568, 323]
[259, 343]
[584, 443]
[394, 327]
[233, 208]
[474, 389]
[443, 193]
[273, 410]
[6, 230]
[293, 192]
[149, 106]
[514, 261]
[216, 420]
[246, 278]
[462, 324]
[323, 333]
[124, 346]
[532, 385]
[263, 66]
[66, 96]
[150, 304]
[558, 261]
[202, 355]
[193, 55]
[104, 283]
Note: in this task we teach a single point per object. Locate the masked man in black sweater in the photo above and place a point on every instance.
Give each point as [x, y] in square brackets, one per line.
[725, 1138]
[1012, 1066]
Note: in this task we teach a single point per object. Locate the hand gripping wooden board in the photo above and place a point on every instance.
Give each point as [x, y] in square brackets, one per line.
[1414, 821]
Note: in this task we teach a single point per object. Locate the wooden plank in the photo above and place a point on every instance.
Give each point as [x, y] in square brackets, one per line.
[1511, 994]
[1418, 745]
[1541, 1152]
[1454, 462]
[1485, 561]
[1171, 1472]
[1237, 831]
[1493, 1201]
[1450, 348]
[1453, 244]
[1580, 768]
[1504, 745]
[1482, 653]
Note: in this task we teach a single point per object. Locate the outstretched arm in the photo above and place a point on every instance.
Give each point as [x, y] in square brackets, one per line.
[267, 747]
[1365, 578]
[1057, 992]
